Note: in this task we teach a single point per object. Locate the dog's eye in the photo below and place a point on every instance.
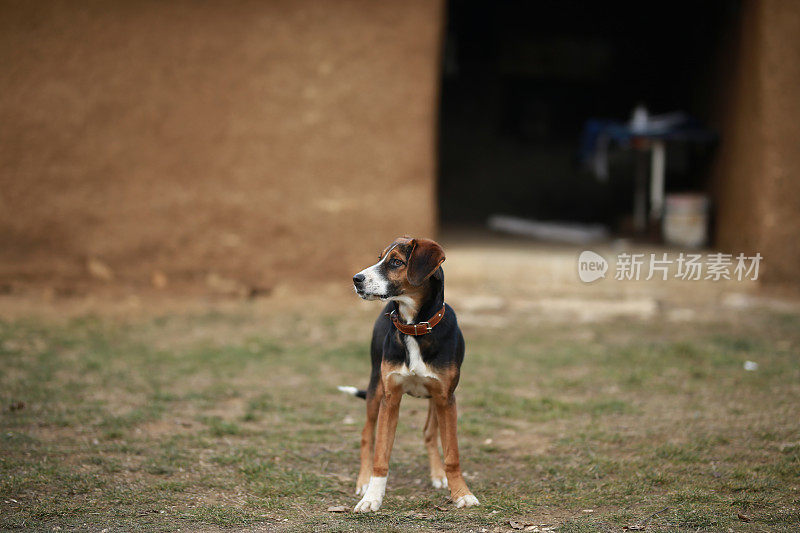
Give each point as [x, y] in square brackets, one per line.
[396, 262]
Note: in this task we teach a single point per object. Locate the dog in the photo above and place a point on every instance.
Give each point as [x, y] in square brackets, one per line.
[417, 349]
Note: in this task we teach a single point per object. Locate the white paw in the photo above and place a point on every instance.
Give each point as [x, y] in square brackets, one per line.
[361, 489]
[467, 500]
[439, 482]
[366, 506]
[373, 496]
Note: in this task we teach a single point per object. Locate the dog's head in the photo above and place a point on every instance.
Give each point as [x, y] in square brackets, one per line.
[402, 268]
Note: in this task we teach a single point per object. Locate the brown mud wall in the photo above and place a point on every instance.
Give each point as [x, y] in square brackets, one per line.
[260, 142]
[757, 179]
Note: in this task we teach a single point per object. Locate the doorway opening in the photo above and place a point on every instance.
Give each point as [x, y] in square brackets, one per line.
[520, 80]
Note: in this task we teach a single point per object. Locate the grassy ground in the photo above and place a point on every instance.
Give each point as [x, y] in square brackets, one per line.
[230, 420]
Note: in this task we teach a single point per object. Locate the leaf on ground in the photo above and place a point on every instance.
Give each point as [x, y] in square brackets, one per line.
[337, 509]
[742, 517]
[441, 508]
[515, 525]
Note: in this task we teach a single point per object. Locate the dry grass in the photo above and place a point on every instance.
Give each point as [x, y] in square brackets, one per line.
[231, 420]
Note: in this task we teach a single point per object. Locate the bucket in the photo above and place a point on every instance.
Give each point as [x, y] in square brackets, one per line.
[686, 220]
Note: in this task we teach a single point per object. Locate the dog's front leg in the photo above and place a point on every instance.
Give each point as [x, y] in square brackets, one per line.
[387, 424]
[448, 418]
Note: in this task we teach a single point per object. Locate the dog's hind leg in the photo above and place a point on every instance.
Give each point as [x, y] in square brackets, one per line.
[431, 434]
[448, 420]
[368, 439]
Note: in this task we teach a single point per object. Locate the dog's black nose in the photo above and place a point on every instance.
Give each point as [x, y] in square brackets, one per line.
[358, 279]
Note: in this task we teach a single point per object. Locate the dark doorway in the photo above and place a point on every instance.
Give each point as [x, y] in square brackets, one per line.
[520, 79]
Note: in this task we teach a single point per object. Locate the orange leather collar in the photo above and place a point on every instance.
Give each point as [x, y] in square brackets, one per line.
[421, 328]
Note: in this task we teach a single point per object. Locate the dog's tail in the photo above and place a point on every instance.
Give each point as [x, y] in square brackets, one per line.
[358, 393]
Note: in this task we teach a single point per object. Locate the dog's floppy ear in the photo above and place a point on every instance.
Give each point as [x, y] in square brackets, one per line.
[426, 256]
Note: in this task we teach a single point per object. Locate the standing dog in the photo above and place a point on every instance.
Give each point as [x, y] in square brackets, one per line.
[417, 349]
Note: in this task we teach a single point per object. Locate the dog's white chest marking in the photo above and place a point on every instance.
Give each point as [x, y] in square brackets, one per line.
[414, 376]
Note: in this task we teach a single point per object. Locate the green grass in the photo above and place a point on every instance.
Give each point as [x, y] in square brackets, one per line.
[210, 421]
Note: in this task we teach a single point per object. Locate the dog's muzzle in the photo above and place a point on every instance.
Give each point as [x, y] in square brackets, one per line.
[365, 289]
[358, 285]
